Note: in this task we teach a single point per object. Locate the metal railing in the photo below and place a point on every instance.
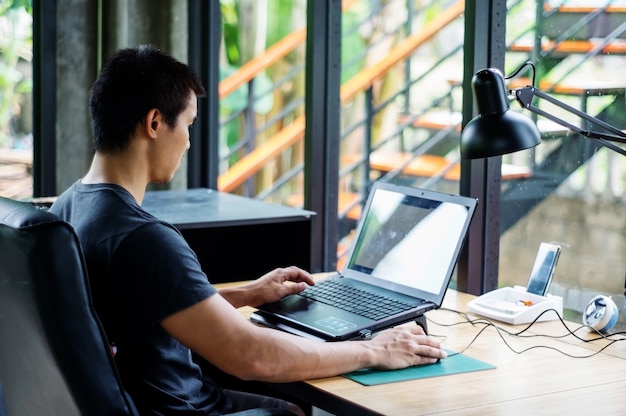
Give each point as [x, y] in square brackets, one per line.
[250, 133]
[272, 170]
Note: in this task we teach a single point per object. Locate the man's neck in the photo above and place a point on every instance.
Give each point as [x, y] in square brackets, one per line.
[115, 169]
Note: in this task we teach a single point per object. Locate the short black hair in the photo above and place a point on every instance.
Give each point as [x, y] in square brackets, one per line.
[133, 82]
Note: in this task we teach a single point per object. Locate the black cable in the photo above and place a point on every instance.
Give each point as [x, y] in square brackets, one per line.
[488, 324]
[520, 68]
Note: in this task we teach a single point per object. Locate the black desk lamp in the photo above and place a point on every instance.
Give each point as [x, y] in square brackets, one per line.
[497, 131]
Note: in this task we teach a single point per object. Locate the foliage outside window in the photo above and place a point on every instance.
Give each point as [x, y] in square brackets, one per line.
[16, 48]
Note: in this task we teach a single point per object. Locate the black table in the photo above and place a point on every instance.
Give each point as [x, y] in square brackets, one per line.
[236, 238]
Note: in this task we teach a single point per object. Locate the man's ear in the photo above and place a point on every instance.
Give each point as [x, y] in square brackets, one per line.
[152, 122]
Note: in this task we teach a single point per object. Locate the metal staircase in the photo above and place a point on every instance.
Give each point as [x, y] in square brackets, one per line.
[401, 111]
[565, 38]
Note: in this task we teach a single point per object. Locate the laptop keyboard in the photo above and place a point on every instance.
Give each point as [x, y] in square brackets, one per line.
[349, 298]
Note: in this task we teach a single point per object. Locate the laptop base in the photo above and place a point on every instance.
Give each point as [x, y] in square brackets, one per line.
[262, 320]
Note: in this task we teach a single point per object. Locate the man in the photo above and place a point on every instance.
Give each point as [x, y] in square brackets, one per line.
[155, 302]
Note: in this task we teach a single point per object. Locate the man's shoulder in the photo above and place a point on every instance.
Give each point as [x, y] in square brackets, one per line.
[155, 231]
[104, 211]
[88, 199]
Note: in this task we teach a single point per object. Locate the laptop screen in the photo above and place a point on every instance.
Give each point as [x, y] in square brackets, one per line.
[410, 239]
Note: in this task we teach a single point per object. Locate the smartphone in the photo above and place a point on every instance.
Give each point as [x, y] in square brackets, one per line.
[543, 269]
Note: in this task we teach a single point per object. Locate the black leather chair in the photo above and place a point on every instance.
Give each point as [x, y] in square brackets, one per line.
[54, 356]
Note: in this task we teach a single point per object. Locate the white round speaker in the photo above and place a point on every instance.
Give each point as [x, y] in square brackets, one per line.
[601, 313]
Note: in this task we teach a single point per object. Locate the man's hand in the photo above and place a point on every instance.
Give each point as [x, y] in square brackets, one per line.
[269, 288]
[405, 346]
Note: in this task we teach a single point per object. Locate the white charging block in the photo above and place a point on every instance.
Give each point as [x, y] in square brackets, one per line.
[514, 305]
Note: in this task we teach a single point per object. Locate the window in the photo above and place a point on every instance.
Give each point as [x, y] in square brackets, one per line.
[16, 83]
[576, 192]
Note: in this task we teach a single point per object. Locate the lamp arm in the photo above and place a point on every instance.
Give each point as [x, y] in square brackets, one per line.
[525, 95]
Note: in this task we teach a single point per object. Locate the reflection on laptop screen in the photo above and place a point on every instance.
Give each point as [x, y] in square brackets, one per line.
[409, 240]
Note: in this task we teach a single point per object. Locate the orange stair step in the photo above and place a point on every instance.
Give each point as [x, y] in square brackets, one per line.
[349, 204]
[429, 165]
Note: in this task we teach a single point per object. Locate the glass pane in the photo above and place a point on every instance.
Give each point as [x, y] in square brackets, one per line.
[575, 192]
[16, 83]
[262, 99]
[402, 64]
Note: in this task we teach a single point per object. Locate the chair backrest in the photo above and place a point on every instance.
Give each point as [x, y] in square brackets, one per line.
[54, 356]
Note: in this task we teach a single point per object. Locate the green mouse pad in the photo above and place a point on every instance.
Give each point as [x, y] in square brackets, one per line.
[454, 364]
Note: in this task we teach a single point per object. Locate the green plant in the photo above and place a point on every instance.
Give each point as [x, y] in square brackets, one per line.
[15, 48]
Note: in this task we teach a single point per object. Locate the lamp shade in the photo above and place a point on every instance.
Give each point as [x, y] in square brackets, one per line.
[496, 130]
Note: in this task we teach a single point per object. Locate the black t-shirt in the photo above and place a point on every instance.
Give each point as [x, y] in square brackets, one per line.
[141, 270]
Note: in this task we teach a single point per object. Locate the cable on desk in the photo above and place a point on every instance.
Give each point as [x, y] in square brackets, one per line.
[488, 323]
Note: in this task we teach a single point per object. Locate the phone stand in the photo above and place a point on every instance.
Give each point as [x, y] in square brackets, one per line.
[514, 305]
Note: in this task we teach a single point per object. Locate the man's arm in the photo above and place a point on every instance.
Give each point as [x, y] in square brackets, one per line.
[221, 335]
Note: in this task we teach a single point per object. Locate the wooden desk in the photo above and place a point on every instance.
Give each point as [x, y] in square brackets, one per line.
[540, 381]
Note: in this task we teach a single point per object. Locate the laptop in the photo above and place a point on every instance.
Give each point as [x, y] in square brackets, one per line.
[404, 253]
